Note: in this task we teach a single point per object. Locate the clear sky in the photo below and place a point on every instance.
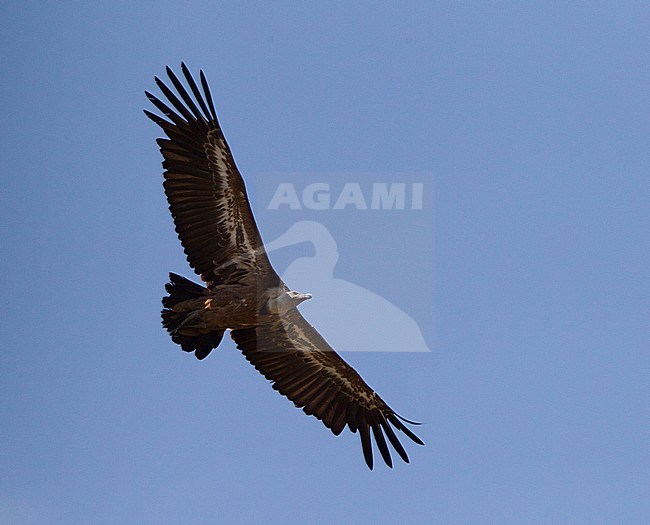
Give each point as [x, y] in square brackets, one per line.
[526, 268]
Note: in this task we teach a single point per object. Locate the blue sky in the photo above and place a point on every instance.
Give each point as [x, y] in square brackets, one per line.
[526, 269]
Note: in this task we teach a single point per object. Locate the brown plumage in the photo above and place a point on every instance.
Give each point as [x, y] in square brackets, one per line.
[243, 293]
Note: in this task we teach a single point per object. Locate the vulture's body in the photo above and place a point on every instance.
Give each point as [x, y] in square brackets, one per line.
[243, 293]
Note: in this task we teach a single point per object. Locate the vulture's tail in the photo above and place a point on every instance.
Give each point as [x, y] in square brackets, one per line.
[181, 289]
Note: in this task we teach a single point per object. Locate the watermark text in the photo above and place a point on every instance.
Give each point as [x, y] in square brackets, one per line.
[319, 196]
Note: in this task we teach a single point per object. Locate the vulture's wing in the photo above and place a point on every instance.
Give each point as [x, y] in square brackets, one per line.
[305, 368]
[206, 193]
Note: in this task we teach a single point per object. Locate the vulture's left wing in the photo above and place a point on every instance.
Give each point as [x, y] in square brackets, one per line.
[305, 368]
[206, 193]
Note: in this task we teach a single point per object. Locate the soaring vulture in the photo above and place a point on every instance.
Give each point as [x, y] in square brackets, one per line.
[243, 293]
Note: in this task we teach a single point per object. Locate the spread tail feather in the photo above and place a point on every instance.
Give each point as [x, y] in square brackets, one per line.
[181, 289]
